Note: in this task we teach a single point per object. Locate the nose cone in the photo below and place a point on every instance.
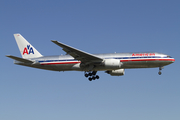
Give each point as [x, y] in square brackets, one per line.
[168, 60]
[171, 60]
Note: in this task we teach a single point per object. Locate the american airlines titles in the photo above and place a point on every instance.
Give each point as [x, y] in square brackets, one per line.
[143, 54]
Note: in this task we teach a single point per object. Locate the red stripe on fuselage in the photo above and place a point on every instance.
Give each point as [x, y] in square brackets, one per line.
[60, 63]
[122, 60]
[147, 60]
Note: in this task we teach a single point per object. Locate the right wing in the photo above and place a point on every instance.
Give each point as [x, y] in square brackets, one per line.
[78, 54]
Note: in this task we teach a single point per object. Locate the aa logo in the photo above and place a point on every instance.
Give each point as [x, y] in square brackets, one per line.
[28, 50]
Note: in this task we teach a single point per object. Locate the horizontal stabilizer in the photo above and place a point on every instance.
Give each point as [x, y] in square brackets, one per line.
[19, 59]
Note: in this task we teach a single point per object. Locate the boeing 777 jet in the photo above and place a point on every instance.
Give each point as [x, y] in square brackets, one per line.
[78, 60]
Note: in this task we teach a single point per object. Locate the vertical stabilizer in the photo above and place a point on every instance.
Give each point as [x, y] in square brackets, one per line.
[26, 49]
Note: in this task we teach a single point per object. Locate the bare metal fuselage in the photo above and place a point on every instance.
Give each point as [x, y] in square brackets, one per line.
[78, 60]
[127, 60]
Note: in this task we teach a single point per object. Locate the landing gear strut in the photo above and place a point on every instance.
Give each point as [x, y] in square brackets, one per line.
[160, 68]
[92, 75]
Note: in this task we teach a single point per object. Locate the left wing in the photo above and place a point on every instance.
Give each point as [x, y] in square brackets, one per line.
[78, 54]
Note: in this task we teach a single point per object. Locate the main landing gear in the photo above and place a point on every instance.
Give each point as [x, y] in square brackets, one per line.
[160, 68]
[92, 75]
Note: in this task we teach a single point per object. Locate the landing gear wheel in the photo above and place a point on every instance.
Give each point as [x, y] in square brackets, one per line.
[159, 73]
[97, 77]
[92, 75]
[86, 75]
[90, 79]
[94, 72]
[160, 68]
[93, 78]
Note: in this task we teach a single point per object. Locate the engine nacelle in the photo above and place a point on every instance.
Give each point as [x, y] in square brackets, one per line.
[112, 63]
[118, 72]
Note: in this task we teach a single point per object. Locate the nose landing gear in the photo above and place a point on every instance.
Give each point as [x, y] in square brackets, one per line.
[92, 75]
[160, 68]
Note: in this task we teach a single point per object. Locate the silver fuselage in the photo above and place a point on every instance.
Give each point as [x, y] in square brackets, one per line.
[128, 60]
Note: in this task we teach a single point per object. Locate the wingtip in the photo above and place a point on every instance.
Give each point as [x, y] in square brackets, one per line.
[53, 40]
[7, 55]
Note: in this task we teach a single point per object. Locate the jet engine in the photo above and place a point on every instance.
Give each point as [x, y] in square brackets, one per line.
[118, 72]
[112, 63]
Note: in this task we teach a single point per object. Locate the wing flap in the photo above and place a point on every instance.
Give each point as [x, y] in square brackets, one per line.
[78, 54]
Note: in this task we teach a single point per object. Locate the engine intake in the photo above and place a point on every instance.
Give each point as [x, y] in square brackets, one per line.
[112, 63]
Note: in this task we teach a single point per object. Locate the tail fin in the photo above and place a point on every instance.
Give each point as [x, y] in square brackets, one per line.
[26, 49]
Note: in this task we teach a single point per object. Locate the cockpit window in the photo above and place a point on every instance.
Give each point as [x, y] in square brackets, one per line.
[168, 56]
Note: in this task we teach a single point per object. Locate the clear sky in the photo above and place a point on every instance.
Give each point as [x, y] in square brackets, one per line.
[96, 26]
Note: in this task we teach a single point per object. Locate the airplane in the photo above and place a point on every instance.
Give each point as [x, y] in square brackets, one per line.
[78, 60]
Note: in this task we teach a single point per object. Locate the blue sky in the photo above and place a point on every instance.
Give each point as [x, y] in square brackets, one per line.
[100, 26]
